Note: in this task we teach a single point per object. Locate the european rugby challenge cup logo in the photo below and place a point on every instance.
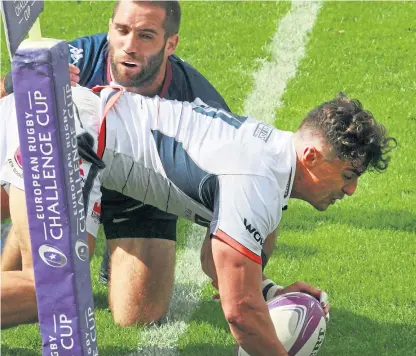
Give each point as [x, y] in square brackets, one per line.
[52, 256]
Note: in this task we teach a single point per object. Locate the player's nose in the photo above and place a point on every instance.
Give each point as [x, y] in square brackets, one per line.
[129, 45]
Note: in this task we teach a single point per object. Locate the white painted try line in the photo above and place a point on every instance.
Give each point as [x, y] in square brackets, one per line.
[287, 49]
[189, 280]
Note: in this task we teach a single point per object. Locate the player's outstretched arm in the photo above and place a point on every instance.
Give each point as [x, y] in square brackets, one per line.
[239, 282]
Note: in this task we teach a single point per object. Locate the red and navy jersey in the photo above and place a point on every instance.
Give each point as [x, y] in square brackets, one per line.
[182, 82]
[90, 55]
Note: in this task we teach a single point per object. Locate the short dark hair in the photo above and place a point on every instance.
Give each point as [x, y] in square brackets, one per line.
[172, 10]
[352, 132]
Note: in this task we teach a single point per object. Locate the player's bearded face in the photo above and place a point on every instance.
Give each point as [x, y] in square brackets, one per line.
[143, 68]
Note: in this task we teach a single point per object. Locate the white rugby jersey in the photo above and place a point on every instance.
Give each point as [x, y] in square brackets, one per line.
[232, 173]
[207, 165]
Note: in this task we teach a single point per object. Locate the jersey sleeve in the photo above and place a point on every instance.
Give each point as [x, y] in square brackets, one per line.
[186, 76]
[246, 211]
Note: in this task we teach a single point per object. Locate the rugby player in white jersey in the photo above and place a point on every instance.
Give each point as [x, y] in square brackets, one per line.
[217, 169]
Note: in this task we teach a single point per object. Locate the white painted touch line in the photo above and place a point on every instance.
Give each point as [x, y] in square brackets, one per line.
[189, 280]
[287, 49]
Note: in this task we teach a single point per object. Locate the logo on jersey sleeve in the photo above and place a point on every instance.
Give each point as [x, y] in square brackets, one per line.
[263, 131]
[253, 231]
[76, 53]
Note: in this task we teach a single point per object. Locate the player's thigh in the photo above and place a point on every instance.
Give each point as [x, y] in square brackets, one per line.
[20, 225]
[141, 273]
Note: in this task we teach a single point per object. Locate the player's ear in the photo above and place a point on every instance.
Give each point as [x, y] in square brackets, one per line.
[311, 156]
[171, 44]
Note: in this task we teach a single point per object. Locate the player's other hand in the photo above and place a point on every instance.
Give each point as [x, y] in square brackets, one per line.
[303, 287]
[73, 74]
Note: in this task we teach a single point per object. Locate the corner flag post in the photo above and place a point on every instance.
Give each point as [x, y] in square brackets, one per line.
[52, 180]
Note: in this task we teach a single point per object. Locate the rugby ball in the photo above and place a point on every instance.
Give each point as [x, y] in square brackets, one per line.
[300, 323]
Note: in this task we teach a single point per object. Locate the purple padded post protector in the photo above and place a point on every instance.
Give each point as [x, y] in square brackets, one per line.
[19, 16]
[55, 206]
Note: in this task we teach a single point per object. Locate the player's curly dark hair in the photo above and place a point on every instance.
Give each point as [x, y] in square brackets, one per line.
[352, 132]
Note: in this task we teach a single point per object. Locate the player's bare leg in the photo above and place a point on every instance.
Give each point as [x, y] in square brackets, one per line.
[11, 258]
[141, 279]
[18, 295]
[18, 299]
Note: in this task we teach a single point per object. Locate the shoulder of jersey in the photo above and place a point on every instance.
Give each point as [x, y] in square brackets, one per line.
[86, 46]
[200, 86]
[185, 67]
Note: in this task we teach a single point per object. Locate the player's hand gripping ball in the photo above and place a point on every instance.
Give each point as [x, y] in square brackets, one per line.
[300, 323]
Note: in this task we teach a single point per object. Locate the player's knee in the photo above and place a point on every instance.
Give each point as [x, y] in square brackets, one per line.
[150, 314]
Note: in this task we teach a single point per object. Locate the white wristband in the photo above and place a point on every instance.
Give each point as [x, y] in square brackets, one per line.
[269, 289]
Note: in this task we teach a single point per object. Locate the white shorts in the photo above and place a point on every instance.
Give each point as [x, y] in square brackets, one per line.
[11, 171]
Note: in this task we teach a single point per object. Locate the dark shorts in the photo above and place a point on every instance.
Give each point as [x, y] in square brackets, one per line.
[124, 217]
